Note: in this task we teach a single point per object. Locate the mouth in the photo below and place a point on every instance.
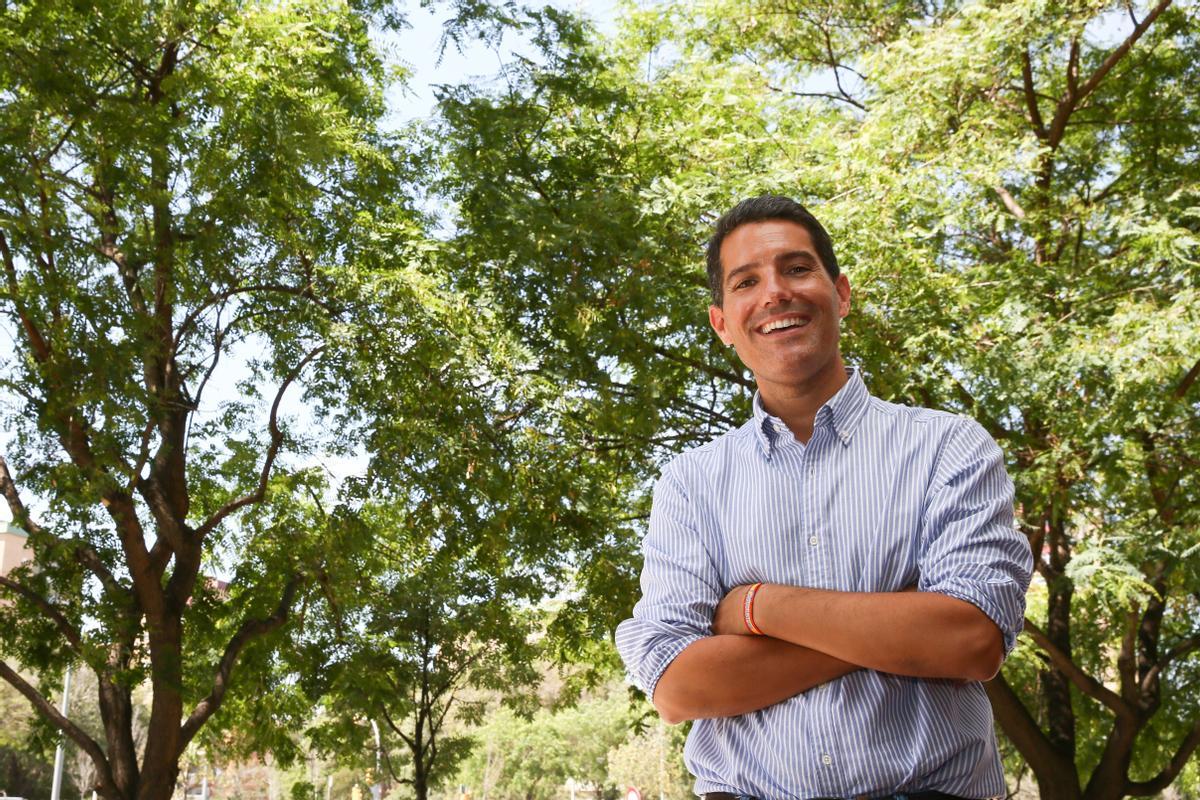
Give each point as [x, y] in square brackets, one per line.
[782, 325]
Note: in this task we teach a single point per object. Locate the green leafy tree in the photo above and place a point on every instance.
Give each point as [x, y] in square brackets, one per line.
[475, 516]
[438, 619]
[23, 772]
[191, 194]
[1013, 191]
[652, 761]
[533, 758]
[546, 176]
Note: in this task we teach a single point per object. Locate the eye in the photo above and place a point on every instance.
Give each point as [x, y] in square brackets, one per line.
[797, 268]
[742, 284]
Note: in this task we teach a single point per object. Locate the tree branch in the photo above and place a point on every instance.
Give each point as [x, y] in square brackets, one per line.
[83, 552]
[387, 761]
[1127, 659]
[109, 226]
[1116, 55]
[1031, 96]
[1186, 647]
[86, 555]
[712, 413]
[1164, 779]
[135, 476]
[841, 98]
[1010, 202]
[1084, 682]
[834, 64]
[1129, 8]
[1073, 70]
[8, 488]
[249, 630]
[272, 451]
[971, 406]
[217, 343]
[403, 736]
[1076, 94]
[85, 742]
[1021, 728]
[708, 369]
[51, 611]
[1188, 381]
[41, 348]
[220, 335]
[220, 297]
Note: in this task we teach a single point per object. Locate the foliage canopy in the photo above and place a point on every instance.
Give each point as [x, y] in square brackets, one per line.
[1012, 189]
[188, 186]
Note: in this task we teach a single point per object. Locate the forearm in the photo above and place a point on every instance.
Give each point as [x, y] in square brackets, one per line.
[919, 634]
[722, 676]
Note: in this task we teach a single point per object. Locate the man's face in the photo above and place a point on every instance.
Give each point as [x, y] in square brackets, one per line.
[781, 310]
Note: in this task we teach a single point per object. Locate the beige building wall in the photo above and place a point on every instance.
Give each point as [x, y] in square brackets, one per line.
[14, 548]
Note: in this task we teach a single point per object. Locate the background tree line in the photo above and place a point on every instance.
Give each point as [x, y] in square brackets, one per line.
[221, 271]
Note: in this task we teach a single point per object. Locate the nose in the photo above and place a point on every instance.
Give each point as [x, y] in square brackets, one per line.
[775, 289]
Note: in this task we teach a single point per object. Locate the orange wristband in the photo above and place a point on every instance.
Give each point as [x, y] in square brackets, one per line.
[748, 609]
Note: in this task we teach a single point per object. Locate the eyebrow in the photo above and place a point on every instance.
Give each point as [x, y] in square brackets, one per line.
[792, 255]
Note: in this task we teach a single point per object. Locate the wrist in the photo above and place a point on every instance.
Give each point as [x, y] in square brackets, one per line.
[749, 598]
[776, 611]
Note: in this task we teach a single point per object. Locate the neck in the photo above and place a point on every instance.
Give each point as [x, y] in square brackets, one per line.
[797, 404]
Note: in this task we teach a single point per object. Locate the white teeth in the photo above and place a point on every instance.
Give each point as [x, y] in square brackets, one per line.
[782, 323]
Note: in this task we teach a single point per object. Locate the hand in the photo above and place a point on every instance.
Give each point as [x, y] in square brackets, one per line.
[728, 617]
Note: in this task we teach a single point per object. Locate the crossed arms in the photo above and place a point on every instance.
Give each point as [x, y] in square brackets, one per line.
[813, 636]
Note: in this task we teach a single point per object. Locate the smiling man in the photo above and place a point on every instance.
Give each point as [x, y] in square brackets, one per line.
[826, 586]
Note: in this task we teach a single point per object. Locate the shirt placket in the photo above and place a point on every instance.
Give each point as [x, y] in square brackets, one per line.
[826, 756]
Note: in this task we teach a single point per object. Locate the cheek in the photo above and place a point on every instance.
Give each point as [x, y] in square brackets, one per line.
[735, 319]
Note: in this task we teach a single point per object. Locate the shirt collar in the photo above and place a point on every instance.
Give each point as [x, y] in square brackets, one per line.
[843, 412]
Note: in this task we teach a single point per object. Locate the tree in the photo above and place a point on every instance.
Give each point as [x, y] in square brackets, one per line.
[545, 178]
[183, 186]
[438, 618]
[84, 711]
[532, 758]
[472, 516]
[1012, 189]
[22, 772]
[652, 761]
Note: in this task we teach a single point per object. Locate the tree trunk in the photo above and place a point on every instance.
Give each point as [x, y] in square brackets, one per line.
[1108, 779]
[1055, 772]
[420, 779]
[116, 712]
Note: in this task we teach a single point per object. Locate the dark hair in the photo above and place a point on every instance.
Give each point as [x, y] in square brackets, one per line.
[761, 209]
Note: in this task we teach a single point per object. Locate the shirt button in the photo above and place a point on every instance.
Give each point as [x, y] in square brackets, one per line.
[812, 540]
[826, 759]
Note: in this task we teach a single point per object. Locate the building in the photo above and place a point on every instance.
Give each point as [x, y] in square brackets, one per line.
[14, 547]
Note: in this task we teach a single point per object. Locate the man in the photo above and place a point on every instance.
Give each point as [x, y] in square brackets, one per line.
[825, 587]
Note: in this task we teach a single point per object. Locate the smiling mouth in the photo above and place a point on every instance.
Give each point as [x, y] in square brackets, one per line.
[783, 324]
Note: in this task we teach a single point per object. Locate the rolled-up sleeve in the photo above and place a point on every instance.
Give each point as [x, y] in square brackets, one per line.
[970, 548]
[680, 587]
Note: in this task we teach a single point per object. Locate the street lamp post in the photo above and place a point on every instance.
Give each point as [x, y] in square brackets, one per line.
[60, 752]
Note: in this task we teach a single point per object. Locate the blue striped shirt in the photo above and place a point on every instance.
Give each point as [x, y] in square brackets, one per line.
[882, 496]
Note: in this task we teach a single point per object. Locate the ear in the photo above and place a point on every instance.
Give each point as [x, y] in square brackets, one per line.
[842, 284]
[716, 318]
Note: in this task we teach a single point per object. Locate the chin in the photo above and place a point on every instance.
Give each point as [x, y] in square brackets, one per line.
[804, 369]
